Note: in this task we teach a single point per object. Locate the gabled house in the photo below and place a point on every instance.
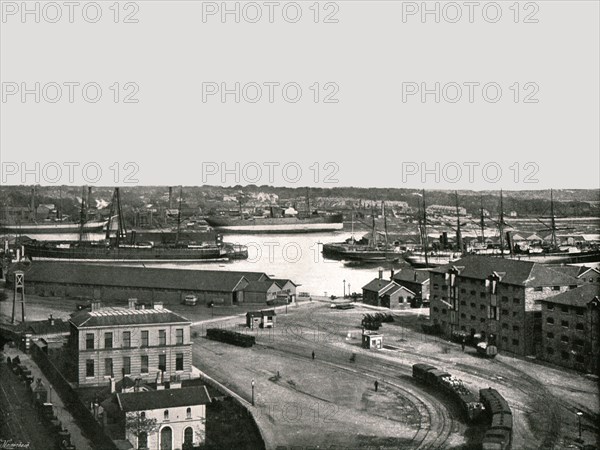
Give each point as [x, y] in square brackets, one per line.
[387, 294]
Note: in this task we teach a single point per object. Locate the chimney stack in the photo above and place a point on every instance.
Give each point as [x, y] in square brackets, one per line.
[95, 305]
[51, 320]
[158, 305]
[131, 303]
[415, 276]
[113, 385]
[392, 273]
[380, 273]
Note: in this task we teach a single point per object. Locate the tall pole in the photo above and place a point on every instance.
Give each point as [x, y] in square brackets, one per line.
[82, 213]
[553, 221]
[482, 223]
[425, 240]
[179, 216]
[252, 391]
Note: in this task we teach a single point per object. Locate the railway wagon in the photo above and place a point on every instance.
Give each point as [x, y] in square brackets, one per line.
[419, 371]
[496, 439]
[493, 401]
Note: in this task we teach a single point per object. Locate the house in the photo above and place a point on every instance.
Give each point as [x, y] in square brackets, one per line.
[261, 291]
[416, 281]
[261, 319]
[116, 342]
[571, 329]
[287, 286]
[496, 298]
[386, 293]
[51, 333]
[163, 419]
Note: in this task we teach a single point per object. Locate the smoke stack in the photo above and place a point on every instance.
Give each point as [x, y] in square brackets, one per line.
[95, 305]
[415, 276]
[391, 274]
[113, 385]
[131, 303]
[380, 273]
[51, 320]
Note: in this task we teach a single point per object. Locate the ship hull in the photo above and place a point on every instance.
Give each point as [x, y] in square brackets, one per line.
[121, 254]
[52, 228]
[278, 225]
[348, 252]
[558, 258]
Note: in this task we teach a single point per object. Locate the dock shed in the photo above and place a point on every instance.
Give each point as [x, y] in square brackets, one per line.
[372, 339]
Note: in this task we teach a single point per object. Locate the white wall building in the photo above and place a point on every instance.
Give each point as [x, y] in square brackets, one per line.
[180, 417]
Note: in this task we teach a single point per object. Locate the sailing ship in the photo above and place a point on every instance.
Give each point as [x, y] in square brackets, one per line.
[364, 252]
[115, 249]
[284, 221]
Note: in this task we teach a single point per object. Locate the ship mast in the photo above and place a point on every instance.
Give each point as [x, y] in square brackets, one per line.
[482, 224]
[82, 214]
[373, 232]
[458, 233]
[179, 215]
[308, 202]
[425, 240]
[501, 225]
[553, 221]
[385, 228]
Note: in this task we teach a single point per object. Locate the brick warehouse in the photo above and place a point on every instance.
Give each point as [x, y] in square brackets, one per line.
[496, 297]
[571, 329]
[117, 342]
[92, 281]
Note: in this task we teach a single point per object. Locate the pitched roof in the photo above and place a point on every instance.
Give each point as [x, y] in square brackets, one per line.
[523, 273]
[377, 284]
[580, 296]
[395, 288]
[132, 277]
[44, 327]
[116, 316]
[409, 274]
[260, 286]
[281, 282]
[166, 398]
[263, 312]
[572, 271]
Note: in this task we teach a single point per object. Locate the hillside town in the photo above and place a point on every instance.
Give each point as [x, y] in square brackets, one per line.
[412, 325]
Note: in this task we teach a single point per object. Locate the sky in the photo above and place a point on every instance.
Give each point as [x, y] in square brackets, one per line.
[346, 93]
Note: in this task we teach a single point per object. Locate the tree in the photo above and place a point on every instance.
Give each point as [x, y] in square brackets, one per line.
[139, 425]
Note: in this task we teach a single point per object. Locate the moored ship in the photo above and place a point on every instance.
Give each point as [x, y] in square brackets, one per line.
[295, 224]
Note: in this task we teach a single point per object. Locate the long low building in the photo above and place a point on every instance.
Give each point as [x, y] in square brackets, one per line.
[95, 282]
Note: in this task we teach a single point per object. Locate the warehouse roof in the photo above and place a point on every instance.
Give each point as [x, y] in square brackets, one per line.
[140, 277]
[116, 316]
[412, 276]
[260, 286]
[524, 273]
[166, 398]
[45, 327]
[580, 296]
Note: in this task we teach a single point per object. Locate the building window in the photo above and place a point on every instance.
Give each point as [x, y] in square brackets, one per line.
[564, 339]
[516, 328]
[179, 336]
[463, 316]
[504, 299]
[564, 355]
[550, 306]
[126, 339]
[463, 303]
[482, 294]
[463, 291]
[179, 361]
[89, 367]
[556, 288]
[162, 337]
[444, 311]
[145, 338]
[162, 363]
[144, 360]
[188, 437]
[473, 292]
[564, 309]
[564, 324]
[482, 320]
[126, 365]
[481, 307]
[550, 350]
[473, 305]
[537, 314]
[435, 309]
[579, 327]
[188, 413]
[550, 320]
[108, 367]
[436, 286]
[143, 439]
[516, 301]
[515, 342]
[579, 311]
[572, 286]
[579, 343]
[89, 341]
[166, 414]
[505, 326]
[504, 339]
[505, 312]
[550, 335]
[538, 289]
[473, 318]
[580, 359]
[108, 341]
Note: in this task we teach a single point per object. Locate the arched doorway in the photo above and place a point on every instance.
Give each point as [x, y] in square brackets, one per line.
[188, 438]
[166, 438]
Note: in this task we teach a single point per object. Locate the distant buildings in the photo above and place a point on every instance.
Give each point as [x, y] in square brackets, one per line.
[108, 343]
[496, 298]
[445, 210]
[387, 294]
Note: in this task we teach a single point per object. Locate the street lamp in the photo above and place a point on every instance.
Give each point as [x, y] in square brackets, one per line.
[579, 414]
[344, 288]
[252, 391]
[349, 291]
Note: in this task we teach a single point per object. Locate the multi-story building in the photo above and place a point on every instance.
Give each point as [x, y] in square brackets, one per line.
[496, 298]
[116, 342]
[571, 329]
